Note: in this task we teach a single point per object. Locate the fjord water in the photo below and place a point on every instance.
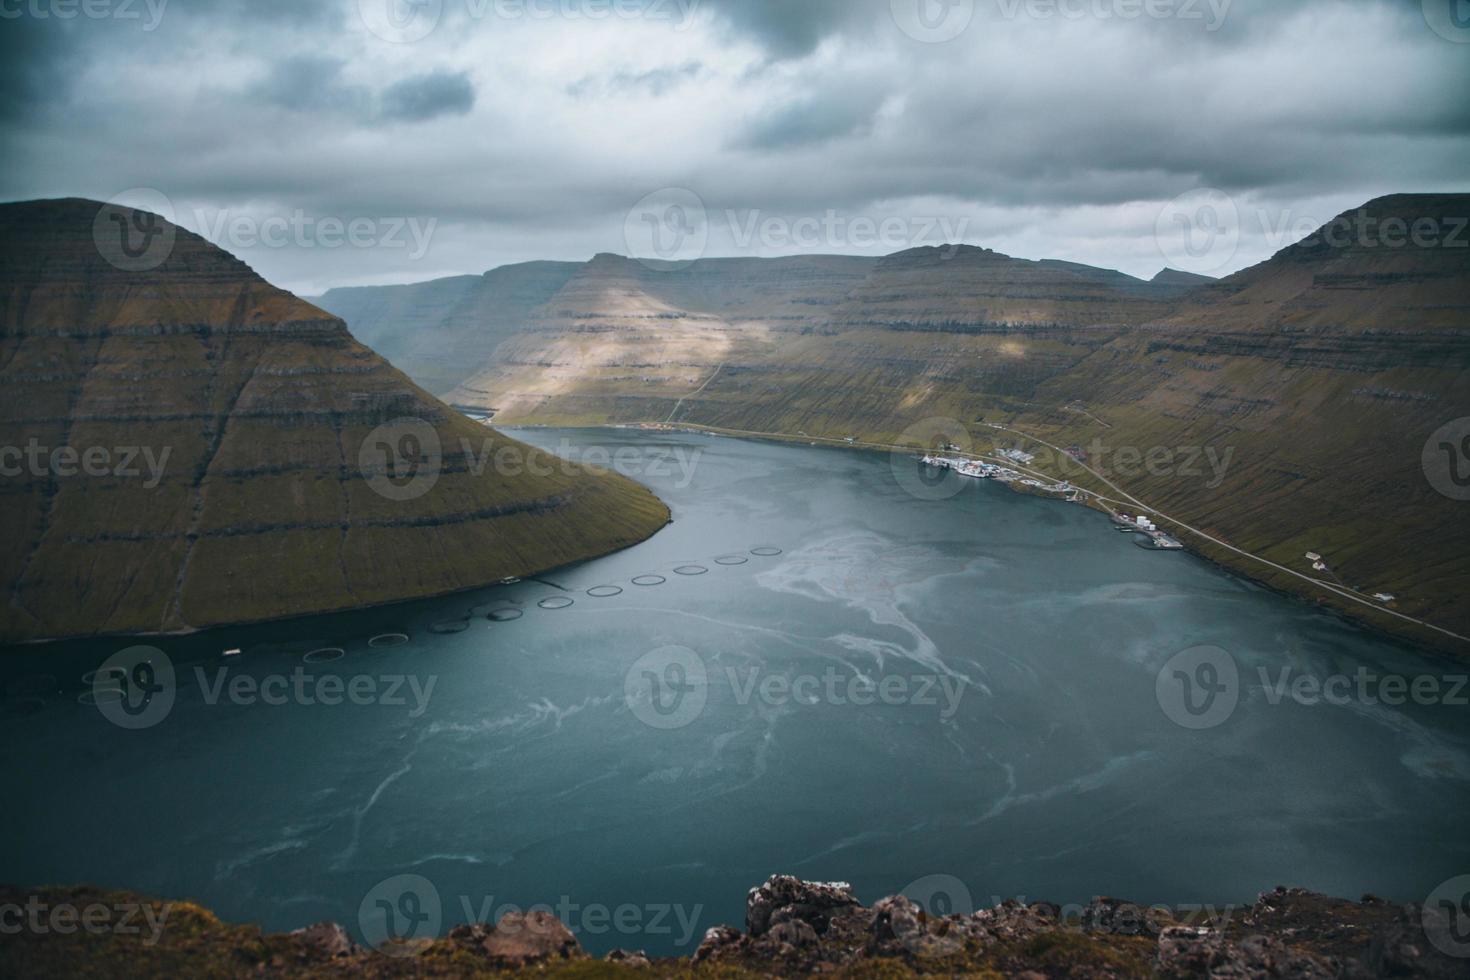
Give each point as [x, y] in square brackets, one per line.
[1021, 749]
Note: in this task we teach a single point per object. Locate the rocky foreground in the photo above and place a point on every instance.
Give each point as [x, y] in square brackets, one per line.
[792, 927]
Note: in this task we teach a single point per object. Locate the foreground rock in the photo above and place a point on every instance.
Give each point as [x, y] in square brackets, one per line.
[792, 927]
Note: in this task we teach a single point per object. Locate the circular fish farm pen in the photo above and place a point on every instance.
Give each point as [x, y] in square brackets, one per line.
[557, 602]
[690, 570]
[324, 655]
[731, 560]
[765, 552]
[649, 580]
[604, 591]
[505, 614]
[450, 626]
[384, 640]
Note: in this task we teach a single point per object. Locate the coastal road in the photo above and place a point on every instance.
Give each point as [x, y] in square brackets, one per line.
[1328, 586]
[1123, 495]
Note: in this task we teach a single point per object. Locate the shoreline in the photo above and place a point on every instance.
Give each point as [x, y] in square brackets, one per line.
[33, 645]
[1425, 639]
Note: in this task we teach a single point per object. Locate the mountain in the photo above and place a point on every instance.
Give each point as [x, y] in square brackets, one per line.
[1324, 371]
[1178, 282]
[193, 446]
[626, 339]
[440, 331]
[817, 344]
[1315, 378]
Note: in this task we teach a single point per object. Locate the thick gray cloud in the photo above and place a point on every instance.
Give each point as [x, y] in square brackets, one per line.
[311, 83]
[424, 97]
[520, 129]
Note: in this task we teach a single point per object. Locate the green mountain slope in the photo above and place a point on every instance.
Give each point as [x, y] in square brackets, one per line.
[274, 491]
[1316, 380]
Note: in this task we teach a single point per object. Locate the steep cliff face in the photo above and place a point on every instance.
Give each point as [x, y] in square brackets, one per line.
[968, 289]
[1323, 372]
[1316, 378]
[625, 340]
[186, 445]
[442, 332]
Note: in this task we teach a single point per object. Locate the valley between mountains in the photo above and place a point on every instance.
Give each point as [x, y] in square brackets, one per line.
[1283, 411]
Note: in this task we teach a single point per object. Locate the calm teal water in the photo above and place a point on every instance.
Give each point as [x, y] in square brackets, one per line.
[1021, 748]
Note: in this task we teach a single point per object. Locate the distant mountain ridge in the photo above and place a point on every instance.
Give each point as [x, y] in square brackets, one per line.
[444, 332]
[259, 417]
[1323, 371]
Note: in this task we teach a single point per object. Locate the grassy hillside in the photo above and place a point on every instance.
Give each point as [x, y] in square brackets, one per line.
[274, 491]
[1317, 377]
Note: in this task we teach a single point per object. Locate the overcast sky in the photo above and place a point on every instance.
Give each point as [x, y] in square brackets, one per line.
[451, 136]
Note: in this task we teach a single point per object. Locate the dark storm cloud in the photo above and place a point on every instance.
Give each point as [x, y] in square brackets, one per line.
[34, 60]
[425, 97]
[811, 120]
[534, 131]
[789, 29]
[311, 83]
